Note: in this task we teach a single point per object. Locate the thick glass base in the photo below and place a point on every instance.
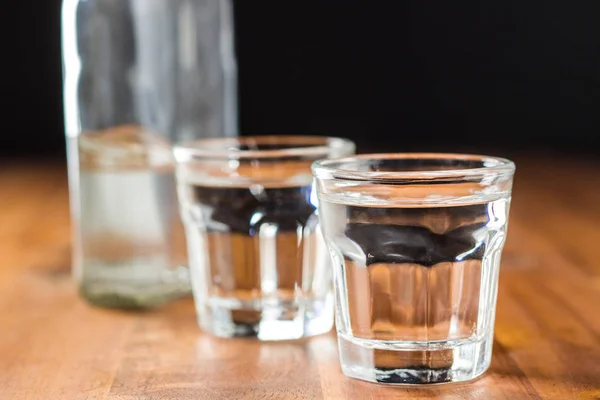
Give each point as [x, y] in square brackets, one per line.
[266, 320]
[405, 363]
[133, 285]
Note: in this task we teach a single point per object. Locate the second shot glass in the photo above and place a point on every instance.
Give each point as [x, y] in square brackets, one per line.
[259, 266]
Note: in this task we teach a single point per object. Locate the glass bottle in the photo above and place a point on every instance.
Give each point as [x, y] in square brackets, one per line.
[139, 76]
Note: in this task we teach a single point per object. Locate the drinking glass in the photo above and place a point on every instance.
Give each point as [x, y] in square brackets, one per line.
[258, 263]
[415, 241]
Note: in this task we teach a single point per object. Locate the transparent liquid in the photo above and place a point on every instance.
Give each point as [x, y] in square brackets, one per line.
[130, 240]
[259, 263]
[415, 288]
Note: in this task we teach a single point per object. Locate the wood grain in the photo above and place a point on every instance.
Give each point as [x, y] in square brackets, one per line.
[55, 346]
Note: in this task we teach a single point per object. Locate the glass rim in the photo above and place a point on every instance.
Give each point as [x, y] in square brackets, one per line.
[491, 166]
[303, 146]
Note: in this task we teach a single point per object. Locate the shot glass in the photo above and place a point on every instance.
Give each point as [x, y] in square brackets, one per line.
[258, 263]
[415, 241]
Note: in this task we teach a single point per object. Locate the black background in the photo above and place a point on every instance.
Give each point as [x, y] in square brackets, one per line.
[498, 77]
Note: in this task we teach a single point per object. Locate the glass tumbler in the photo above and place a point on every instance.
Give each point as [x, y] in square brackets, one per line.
[415, 241]
[258, 263]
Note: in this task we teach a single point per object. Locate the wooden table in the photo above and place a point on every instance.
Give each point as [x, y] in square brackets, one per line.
[55, 346]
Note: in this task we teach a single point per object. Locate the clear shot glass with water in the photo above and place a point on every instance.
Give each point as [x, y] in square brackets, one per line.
[416, 241]
[259, 266]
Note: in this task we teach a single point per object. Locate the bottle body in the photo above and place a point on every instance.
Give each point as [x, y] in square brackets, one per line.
[139, 76]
